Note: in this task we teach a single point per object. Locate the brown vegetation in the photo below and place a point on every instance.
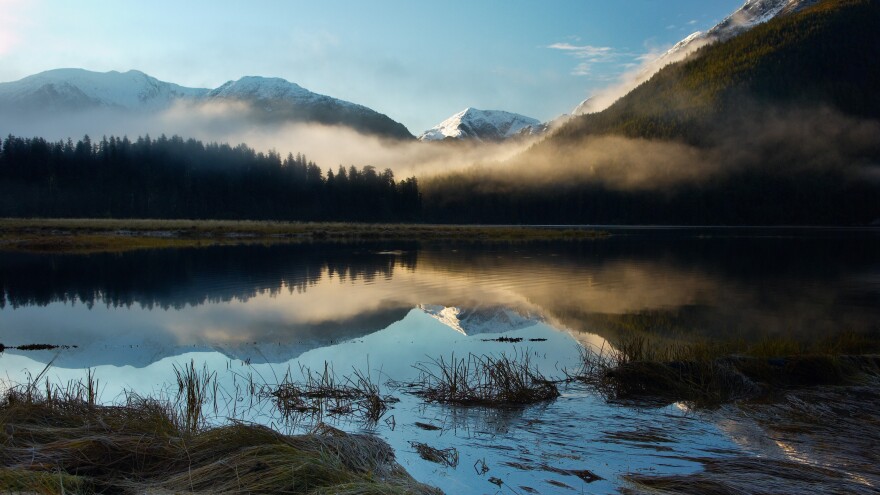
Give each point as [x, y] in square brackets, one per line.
[484, 380]
[61, 444]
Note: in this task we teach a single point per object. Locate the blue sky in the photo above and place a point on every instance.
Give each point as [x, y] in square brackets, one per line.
[416, 61]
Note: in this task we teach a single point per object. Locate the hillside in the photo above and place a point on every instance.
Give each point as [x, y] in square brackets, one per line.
[823, 55]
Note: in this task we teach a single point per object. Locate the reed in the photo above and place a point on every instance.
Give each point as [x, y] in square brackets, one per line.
[193, 387]
[484, 380]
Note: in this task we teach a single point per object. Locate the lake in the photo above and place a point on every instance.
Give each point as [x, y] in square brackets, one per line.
[251, 315]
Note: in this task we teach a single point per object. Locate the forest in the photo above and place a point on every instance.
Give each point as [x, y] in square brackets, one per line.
[178, 178]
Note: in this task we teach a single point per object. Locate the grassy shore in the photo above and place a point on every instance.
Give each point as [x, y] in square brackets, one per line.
[95, 235]
[708, 374]
[70, 445]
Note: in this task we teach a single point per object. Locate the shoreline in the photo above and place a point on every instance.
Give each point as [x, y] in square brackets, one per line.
[116, 235]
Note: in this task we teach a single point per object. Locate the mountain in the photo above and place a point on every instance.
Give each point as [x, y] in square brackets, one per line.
[272, 100]
[483, 125]
[277, 100]
[811, 54]
[79, 89]
[751, 14]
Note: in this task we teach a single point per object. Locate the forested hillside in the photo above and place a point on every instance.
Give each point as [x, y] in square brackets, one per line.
[824, 55]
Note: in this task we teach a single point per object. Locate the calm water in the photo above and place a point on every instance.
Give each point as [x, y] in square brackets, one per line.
[253, 313]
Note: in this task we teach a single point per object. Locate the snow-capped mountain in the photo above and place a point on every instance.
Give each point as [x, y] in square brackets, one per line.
[482, 320]
[276, 99]
[482, 125]
[751, 14]
[272, 100]
[78, 89]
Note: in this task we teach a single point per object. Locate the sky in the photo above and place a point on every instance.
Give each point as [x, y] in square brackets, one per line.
[417, 62]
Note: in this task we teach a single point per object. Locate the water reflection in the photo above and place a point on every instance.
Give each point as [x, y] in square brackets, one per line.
[285, 299]
[254, 312]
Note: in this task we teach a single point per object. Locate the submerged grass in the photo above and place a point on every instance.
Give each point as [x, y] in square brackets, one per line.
[61, 444]
[484, 380]
[96, 235]
[447, 457]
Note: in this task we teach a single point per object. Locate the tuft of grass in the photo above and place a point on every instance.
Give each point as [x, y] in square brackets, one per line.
[193, 387]
[320, 394]
[484, 380]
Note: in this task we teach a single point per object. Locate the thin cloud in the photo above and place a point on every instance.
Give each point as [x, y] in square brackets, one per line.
[587, 56]
[584, 51]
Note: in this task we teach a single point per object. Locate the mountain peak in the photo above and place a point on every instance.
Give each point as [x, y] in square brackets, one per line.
[481, 125]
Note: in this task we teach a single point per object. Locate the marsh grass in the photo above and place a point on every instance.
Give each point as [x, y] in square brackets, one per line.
[483, 380]
[193, 391]
[707, 374]
[57, 443]
[316, 395]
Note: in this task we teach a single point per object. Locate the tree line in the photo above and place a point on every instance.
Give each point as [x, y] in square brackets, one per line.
[173, 177]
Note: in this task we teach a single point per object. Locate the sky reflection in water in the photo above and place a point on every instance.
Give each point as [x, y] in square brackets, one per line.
[259, 311]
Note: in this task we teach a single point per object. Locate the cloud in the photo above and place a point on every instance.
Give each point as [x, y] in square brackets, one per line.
[587, 56]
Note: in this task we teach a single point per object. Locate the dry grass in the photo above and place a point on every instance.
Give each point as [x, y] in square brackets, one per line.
[742, 475]
[708, 374]
[317, 395]
[484, 380]
[99, 235]
[446, 457]
[64, 445]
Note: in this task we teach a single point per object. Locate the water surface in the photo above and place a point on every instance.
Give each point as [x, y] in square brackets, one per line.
[253, 313]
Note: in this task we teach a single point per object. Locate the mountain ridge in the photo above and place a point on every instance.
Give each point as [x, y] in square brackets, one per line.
[820, 55]
[272, 100]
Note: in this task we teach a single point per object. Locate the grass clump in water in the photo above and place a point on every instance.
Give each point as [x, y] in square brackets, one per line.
[484, 380]
[320, 394]
[446, 457]
[52, 443]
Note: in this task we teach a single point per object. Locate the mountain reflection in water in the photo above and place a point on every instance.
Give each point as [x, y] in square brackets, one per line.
[260, 311]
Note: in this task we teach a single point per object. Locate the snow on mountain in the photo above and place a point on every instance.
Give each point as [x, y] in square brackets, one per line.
[276, 99]
[273, 100]
[751, 14]
[481, 125]
[483, 320]
[273, 90]
[81, 89]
